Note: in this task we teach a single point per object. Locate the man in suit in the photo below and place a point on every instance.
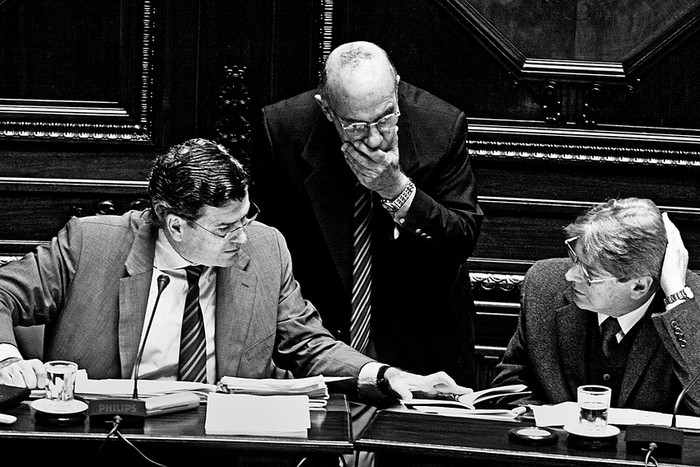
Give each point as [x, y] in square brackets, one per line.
[620, 312]
[364, 130]
[230, 278]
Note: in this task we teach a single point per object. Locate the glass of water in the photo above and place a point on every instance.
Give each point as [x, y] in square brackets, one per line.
[593, 404]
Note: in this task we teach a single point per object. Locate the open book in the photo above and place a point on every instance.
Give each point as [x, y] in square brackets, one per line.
[466, 404]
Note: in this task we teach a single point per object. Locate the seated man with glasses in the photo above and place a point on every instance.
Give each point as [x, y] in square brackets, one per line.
[227, 301]
[620, 312]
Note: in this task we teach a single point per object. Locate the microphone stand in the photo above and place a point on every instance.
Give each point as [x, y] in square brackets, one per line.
[127, 413]
[668, 440]
[163, 282]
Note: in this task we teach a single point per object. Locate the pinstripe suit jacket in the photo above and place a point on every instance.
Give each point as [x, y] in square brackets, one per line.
[90, 287]
[548, 350]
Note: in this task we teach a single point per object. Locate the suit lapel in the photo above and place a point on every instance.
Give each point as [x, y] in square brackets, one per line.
[235, 300]
[133, 295]
[646, 344]
[329, 186]
[571, 325]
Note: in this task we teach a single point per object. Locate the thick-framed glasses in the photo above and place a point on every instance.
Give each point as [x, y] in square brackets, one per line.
[229, 232]
[574, 258]
[361, 129]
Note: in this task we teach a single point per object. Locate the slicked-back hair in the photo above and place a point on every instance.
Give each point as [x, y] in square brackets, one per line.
[351, 59]
[191, 175]
[625, 237]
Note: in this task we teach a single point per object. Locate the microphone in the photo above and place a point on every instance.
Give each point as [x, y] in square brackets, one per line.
[669, 440]
[163, 282]
[132, 412]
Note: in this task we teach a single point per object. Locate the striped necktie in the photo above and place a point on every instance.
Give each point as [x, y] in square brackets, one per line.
[361, 270]
[193, 350]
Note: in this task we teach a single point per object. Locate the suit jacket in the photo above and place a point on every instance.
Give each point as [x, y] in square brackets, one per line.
[90, 287]
[422, 310]
[548, 350]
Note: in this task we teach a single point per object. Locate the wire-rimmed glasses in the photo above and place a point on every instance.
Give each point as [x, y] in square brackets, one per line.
[574, 258]
[360, 130]
[229, 232]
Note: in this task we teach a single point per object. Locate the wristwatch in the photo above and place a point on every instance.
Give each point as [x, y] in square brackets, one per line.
[383, 383]
[396, 204]
[684, 294]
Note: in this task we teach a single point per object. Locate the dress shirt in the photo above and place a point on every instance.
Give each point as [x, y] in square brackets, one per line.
[628, 320]
[162, 350]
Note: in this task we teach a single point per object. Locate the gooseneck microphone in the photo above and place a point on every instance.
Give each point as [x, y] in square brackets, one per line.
[669, 440]
[131, 413]
[163, 282]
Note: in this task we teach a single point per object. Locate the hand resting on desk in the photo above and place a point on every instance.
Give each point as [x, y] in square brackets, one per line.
[23, 373]
[406, 384]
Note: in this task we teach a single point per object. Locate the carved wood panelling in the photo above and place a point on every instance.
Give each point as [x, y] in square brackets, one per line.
[48, 92]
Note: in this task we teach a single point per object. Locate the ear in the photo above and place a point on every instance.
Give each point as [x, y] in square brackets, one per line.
[324, 107]
[641, 287]
[174, 225]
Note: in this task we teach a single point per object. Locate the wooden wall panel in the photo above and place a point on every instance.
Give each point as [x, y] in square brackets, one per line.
[90, 94]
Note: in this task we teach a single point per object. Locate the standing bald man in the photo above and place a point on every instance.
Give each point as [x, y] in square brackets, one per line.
[365, 131]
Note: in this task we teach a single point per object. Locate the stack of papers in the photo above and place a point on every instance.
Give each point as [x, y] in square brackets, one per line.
[314, 388]
[247, 414]
[146, 387]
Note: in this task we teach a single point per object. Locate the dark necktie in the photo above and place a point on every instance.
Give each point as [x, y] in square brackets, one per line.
[609, 330]
[361, 270]
[193, 349]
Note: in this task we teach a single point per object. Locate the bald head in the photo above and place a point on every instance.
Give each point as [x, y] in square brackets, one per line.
[357, 72]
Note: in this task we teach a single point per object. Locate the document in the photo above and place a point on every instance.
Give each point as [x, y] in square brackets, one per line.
[85, 386]
[247, 414]
[470, 401]
[566, 413]
[314, 387]
[465, 405]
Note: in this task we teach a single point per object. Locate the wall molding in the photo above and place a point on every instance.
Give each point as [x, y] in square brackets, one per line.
[72, 120]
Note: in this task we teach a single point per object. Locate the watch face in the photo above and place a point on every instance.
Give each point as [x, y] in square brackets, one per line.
[687, 293]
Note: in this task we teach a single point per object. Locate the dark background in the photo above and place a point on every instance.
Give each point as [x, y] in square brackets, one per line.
[570, 103]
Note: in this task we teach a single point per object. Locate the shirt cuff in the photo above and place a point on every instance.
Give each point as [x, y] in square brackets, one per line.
[674, 304]
[9, 351]
[367, 380]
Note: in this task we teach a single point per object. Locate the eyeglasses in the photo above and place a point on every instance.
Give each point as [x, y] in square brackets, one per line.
[232, 230]
[361, 129]
[574, 257]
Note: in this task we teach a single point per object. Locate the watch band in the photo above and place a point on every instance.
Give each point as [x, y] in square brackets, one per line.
[684, 294]
[396, 204]
[383, 383]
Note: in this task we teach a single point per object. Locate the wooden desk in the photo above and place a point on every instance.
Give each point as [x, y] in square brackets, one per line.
[406, 439]
[177, 440]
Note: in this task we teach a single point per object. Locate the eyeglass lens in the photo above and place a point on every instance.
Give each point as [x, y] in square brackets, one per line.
[383, 124]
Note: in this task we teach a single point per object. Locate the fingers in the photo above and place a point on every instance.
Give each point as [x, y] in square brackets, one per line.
[24, 373]
[675, 262]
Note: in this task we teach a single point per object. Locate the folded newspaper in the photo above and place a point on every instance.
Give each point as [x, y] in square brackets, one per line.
[314, 387]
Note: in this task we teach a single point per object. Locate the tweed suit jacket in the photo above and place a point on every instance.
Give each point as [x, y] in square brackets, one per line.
[422, 309]
[548, 350]
[90, 287]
